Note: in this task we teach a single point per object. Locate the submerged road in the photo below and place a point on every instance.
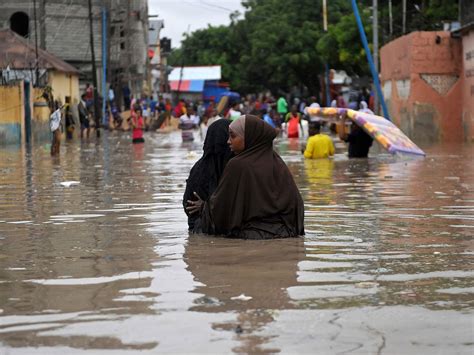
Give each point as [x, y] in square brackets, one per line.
[95, 255]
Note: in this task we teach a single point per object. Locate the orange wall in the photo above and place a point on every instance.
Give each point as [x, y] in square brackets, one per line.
[423, 85]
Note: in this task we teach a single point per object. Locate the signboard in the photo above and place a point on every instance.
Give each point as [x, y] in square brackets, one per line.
[382, 130]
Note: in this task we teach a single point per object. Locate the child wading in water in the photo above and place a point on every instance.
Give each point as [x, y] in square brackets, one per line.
[138, 125]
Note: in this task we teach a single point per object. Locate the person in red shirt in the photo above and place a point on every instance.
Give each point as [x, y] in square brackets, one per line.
[293, 121]
[138, 126]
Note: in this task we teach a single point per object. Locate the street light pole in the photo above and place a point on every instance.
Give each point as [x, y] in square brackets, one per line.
[375, 33]
[94, 73]
[36, 45]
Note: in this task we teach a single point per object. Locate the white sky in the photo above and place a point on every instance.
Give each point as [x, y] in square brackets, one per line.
[179, 14]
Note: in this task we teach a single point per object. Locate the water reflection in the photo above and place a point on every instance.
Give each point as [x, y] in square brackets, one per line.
[386, 265]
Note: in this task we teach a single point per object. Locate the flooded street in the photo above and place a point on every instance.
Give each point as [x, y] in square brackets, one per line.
[106, 263]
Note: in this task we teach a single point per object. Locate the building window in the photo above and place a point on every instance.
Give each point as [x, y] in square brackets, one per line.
[20, 23]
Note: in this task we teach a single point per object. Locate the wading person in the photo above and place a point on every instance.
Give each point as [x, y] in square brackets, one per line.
[83, 116]
[257, 197]
[70, 124]
[187, 123]
[206, 173]
[293, 122]
[138, 126]
[55, 125]
[359, 141]
[319, 145]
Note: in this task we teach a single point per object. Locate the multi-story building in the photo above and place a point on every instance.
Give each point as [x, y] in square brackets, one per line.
[62, 27]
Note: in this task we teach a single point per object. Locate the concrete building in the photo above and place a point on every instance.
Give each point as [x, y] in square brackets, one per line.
[63, 30]
[25, 115]
[421, 75]
[154, 55]
[428, 81]
[467, 37]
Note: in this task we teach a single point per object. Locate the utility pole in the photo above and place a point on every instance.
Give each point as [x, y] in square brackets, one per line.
[104, 67]
[390, 18]
[375, 33]
[36, 46]
[94, 73]
[326, 65]
[404, 16]
[42, 20]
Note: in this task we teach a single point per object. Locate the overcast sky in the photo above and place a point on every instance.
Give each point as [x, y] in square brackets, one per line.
[179, 14]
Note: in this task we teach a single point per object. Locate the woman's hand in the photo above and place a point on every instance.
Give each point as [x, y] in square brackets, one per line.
[195, 206]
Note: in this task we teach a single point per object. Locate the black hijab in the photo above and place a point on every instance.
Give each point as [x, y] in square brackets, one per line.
[207, 171]
[256, 191]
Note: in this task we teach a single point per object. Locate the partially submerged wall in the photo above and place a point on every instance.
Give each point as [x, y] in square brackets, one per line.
[468, 87]
[421, 78]
[11, 114]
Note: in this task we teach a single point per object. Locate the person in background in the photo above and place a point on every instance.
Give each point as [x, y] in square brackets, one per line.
[268, 117]
[234, 112]
[201, 109]
[364, 108]
[153, 108]
[55, 126]
[138, 126]
[83, 116]
[314, 104]
[180, 109]
[319, 145]
[126, 97]
[187, 123]
[89, 96]
[70, 124]
[359, 141]
[282, 106]
[341, 103]
[213, 117]
[293, 122]
[145, 105]
[111, 95]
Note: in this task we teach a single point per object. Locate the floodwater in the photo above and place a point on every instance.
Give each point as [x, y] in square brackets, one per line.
[95, 255]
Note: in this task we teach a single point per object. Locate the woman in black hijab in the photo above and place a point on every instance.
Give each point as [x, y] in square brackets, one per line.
[257, 197]
[205, 174]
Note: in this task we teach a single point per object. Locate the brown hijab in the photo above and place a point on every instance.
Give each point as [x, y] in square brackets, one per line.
[256, 192]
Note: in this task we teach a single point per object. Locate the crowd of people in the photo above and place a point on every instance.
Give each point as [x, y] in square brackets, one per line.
[240, 188]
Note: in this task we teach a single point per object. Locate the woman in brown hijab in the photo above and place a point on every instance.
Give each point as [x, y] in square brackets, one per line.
[257, 197]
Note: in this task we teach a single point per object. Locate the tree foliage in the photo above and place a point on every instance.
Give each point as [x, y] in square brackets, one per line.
[279, 44]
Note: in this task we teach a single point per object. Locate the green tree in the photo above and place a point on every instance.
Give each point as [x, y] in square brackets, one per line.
[280, 44]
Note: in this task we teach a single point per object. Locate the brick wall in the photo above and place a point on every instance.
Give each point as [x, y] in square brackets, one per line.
[421, 75]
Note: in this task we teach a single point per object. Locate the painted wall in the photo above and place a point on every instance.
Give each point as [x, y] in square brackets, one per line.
[468, 85]
[421, 77]
[63, 85]
[11, 114]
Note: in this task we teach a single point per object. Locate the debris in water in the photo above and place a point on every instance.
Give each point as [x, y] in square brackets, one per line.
[69, 183]
[239, 329]
[366, 284]
[191, 155]
[242, 297]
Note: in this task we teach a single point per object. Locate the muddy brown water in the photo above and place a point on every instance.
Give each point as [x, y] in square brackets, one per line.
[106, 265]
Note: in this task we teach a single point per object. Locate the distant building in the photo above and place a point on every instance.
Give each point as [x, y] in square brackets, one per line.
[24, 113]
[154, 54]
[63, 30]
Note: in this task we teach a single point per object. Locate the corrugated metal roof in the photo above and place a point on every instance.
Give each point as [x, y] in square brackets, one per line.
[17, 53]
[210, 72]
